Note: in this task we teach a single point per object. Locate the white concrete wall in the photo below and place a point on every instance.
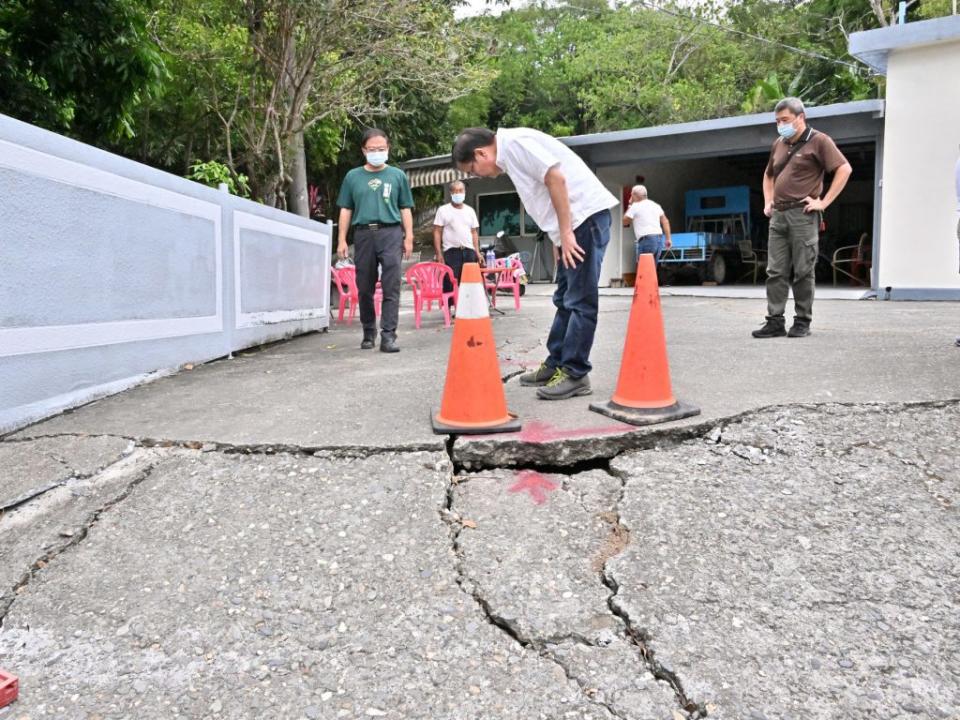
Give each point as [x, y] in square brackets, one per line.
[113, 272]
[918, 221]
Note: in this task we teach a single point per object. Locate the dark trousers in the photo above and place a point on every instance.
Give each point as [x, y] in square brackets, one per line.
[455, 259]
[577, 299]
[791, 259]
[651, 244]
[381, 247]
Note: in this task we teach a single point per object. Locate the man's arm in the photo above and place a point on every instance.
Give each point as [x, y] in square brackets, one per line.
[437, 247]
[665, 226]
[627, 218]
[570, 251]
[767, 195]
[342, 227]
[406, 216]
[840, 177]
[475, 235]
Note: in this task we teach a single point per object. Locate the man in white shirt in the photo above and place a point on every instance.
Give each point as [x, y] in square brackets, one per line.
[648, 221]
[572, 206]
[456, 236]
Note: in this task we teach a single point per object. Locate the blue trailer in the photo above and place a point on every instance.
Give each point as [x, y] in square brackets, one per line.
[717, 223]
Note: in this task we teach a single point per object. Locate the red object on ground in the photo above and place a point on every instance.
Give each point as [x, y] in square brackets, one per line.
[535, 484]
[9, 688]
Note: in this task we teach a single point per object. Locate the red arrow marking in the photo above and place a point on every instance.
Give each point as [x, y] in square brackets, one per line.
[534, 484]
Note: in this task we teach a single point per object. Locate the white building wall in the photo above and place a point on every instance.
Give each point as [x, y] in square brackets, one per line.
[918, 221]
[112, 273]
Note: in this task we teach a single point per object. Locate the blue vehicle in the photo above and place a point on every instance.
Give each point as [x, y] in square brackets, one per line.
[717, 224]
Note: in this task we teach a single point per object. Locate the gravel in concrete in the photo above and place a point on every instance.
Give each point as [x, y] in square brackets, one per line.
[804, 566]
[286, 586]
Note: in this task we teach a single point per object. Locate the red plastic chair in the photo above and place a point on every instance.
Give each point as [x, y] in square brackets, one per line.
[345, 279]
[504, 281]
[426, 279]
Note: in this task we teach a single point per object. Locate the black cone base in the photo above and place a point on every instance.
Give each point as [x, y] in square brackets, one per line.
[439, 428]
[645, 416]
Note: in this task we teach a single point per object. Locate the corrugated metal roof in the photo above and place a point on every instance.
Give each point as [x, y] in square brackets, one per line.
[871, 107]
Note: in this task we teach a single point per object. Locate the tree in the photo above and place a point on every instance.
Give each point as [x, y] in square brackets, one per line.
[316, 61]
[77, 67]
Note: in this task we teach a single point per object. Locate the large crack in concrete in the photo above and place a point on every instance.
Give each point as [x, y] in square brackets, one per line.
[638, 638]
[618, 539]
[72, 538]
[73, 476]
[455, 525]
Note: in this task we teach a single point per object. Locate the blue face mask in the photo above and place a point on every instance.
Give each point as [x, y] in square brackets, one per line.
[377, 157]
[458, 198]
[786, 131]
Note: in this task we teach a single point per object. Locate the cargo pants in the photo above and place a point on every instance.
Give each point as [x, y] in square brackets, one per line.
[791, 258]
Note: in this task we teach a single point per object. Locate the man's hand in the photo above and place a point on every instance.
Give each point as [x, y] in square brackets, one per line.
[668, 243]
[480, 260]
[407, 246]
[768, 209]
[342, 251]
[814, 205]
[570, 251]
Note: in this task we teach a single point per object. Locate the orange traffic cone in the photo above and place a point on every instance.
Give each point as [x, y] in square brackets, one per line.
[643, 395]
[473, 399]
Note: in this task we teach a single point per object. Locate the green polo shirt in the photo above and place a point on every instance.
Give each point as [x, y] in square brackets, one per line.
[375, 197]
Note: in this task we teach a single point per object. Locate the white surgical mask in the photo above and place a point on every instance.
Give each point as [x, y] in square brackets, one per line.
[786, 131]
[377, 157]
[458, 198]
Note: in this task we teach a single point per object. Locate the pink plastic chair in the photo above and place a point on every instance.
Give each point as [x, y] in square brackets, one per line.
[504, 281]
[346, 282]
[426, 279]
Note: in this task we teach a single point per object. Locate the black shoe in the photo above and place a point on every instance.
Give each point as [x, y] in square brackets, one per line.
[388, 344]
[774, 327]
[561, 386]
[539, 377]
[799, 329]
[368, 341]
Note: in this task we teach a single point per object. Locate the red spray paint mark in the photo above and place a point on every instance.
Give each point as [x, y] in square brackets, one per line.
[539, 432]
[534, 484]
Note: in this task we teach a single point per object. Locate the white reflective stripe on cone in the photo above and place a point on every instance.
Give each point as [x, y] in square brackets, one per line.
[472, 302]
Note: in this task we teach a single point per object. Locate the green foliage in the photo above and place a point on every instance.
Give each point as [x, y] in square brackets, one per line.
[78, 67]
[585, 67]
[213, 173]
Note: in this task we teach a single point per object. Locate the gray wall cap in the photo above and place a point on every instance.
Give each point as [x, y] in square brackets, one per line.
[873, 47]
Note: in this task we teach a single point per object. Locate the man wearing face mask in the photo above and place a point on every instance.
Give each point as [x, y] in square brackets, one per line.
[792, 186]
[456, 236]
[375, 200]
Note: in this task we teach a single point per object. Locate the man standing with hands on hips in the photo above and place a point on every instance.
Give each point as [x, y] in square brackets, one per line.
[375, 200]
[792, 185]
[572, 206]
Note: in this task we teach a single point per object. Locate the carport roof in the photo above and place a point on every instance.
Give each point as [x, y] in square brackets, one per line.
[752, 131]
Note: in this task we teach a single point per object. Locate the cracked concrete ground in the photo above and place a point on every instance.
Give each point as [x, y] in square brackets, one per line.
[218, 544]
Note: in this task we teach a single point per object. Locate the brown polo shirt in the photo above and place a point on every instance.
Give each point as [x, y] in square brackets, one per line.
[803, 175]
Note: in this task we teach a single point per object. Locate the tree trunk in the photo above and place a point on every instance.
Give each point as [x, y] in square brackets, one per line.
[299, 202]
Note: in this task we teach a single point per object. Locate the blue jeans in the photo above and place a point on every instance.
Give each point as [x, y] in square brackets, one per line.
[576, 300]
[652, 244]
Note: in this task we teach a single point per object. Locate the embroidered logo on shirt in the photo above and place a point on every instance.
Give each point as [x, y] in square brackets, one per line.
[374, 183]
